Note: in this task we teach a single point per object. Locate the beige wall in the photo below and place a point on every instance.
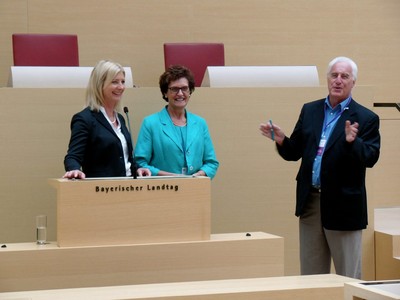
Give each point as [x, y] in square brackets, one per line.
[254, 189]
[255, 32]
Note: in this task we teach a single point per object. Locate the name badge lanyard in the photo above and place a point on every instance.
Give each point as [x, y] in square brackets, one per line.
[323, 140]
[184, 168]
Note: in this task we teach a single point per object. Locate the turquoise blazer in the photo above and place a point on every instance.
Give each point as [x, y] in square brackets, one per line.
[159, 145]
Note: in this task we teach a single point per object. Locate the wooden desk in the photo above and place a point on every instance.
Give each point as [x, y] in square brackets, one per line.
[27, 266]
[318, 287]
[387, 243]
[375, 290]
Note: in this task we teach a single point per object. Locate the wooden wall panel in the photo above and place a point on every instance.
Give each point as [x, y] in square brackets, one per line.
[386, 189]
[255, 32]
[13, 19]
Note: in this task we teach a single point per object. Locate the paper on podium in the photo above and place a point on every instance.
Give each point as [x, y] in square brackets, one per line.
[261, 76]
[55, 77]
[139, 177]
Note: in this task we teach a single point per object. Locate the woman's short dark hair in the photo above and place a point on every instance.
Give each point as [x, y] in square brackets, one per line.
[173, 73]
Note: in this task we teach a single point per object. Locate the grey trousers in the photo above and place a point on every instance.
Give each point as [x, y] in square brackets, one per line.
[318, 245]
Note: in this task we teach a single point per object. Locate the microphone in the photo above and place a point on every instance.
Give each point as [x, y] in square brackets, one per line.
[126, 111]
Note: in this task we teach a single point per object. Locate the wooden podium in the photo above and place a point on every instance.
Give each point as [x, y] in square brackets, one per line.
[118, 211]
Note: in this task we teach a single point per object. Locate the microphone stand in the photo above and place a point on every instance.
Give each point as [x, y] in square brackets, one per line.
[134, 168]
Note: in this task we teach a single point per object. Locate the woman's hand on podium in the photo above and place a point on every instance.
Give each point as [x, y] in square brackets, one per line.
[74, 174]
[143, 172]
[200, 173]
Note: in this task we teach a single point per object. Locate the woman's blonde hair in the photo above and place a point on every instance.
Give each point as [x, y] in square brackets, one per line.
[102, 74]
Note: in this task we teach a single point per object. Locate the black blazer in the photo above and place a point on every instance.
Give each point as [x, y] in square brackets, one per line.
[343, 165]
[95, 148]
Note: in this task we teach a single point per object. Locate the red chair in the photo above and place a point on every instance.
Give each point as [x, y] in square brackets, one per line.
[195, 56]
[45, 49]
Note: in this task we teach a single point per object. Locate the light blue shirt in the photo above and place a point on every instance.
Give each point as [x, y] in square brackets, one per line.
[332, 115]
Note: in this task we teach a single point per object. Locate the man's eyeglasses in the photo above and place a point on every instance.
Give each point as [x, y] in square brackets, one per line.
[176, 89]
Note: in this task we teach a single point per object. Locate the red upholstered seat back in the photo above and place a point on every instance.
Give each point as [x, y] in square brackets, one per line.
[45, 50]
[195, 56]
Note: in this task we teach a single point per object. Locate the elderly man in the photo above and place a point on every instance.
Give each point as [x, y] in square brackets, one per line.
[336, 139]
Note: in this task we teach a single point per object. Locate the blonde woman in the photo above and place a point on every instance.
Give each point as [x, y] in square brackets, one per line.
[100, 143]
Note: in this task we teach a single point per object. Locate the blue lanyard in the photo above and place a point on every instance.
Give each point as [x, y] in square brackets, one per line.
[335, 118]
[183, 141]
[183, 145]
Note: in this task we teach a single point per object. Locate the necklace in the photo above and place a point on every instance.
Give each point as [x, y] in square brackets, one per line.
[179, 122]
[115, 119]
[178, 119]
